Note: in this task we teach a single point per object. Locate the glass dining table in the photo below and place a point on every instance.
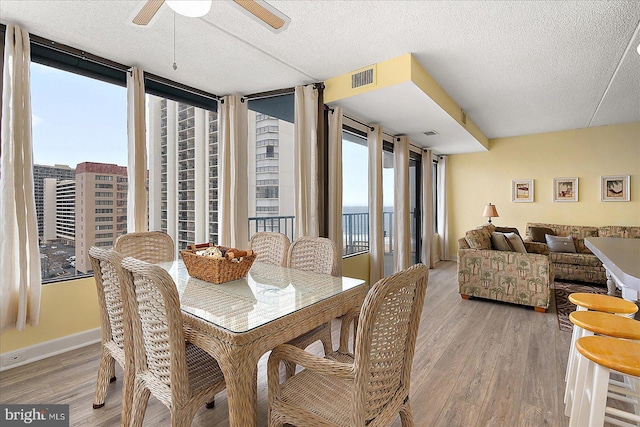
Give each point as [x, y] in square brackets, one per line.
[237, 322]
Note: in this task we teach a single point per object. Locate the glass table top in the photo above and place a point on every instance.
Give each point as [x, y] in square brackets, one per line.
[268, 292]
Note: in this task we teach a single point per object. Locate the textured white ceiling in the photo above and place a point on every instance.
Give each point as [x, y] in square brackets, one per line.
[515, 67]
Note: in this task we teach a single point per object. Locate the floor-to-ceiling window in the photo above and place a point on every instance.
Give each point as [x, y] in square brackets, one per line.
[182, 134]
[355, 193]
[415, 189]
[270, 165]
[388, 194]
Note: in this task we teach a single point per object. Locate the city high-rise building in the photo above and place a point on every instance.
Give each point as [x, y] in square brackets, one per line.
[101, 208]
[59, 207]
[270, 160]
[40, 173]
[183, 171]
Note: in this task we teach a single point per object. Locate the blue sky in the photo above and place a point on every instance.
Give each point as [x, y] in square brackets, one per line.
[78, 119]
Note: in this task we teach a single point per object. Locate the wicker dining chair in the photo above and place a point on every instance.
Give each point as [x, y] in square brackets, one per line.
[148, 246]
[179, 374]
[270, 247]
[117, 338]
[369, 387]
[316, 254]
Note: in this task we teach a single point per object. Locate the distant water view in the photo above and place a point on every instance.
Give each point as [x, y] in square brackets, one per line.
[362, 209]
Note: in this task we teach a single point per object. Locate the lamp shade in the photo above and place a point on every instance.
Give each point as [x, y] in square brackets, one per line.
[190, 8]
[490, 211]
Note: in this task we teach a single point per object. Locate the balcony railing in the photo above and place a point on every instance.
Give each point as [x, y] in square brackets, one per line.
[277, 224]
[355, 230]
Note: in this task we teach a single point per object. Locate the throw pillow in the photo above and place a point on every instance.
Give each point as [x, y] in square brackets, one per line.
[499, 242]
[538, 233]
[561, 244]
[516, 242]
[507, 230]
[478, 239]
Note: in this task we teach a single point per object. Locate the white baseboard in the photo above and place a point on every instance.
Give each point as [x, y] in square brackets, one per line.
[49, 348]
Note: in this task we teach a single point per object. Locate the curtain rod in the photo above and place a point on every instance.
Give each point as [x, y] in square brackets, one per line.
[81, 54]
[278, 92]
[395, 137]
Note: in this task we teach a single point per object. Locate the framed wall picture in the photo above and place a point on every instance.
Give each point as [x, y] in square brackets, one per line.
[565, 189]
[615, 188]
[522, 190]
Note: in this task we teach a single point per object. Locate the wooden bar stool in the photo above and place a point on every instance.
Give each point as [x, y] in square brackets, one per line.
[596, 302]
[605, 303]
[598, 357]
[587, 323]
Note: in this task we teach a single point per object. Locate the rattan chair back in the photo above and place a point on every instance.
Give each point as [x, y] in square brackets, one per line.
[179, 374]
[110, 298]
[157, 327]
[117, 338]
[369, 387]
[313, 254]
[149, 246]
[270, 247]
[386, 338]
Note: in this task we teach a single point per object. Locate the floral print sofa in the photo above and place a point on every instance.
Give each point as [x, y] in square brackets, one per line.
[520, 278]
[583, 265]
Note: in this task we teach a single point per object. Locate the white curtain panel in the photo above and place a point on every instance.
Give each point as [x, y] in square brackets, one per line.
[427, 208]
[233, 192]
[401, 217]
[20, 280]
[306, 161]
[335, 181]
[376, 242]
[443, 225]
[137, 152]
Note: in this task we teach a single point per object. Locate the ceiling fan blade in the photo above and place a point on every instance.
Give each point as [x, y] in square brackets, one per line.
[265, 12]
[147, 12]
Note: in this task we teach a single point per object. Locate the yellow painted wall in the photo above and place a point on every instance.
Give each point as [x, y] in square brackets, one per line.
[476, 179]
[356, 266]
[67, 308]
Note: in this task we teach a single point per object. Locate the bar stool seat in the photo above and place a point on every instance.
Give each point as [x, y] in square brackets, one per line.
[588, 323]
[599, 356]
[605, 303]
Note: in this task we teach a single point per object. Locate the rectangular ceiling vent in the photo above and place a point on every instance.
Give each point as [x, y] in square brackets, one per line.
[430, 133]
[362, 78]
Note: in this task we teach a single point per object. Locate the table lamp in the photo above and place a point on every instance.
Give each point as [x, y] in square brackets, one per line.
[490, 211]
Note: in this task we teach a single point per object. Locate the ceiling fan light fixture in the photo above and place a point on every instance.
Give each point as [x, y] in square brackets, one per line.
[190, 8]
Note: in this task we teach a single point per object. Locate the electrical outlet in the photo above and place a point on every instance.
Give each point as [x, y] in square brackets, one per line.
[14, 357]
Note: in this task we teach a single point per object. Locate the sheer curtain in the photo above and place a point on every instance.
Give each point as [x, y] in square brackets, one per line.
[233, 209]
[376, 242]
[443, 225]
[427, 208]
[401, 217]
[20, 280]
[335, 181]
[306, 161]
[137, 152]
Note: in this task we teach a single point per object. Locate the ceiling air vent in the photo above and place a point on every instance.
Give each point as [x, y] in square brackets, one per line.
[362, 78]
[430, 133]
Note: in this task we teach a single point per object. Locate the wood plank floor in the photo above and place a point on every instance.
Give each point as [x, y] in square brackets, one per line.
[477, 363]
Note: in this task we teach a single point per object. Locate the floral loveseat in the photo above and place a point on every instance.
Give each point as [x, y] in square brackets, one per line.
[503, 275]
[582, 265]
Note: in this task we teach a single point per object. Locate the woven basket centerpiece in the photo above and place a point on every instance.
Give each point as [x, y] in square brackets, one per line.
[217, 264]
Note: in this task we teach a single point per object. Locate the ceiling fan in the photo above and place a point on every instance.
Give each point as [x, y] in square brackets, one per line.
[258, 9]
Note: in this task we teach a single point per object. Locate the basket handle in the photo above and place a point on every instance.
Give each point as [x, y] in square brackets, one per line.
[199, 245]
[238, 254]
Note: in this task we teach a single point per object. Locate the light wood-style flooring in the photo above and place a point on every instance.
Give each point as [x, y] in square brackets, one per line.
[477, 363]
